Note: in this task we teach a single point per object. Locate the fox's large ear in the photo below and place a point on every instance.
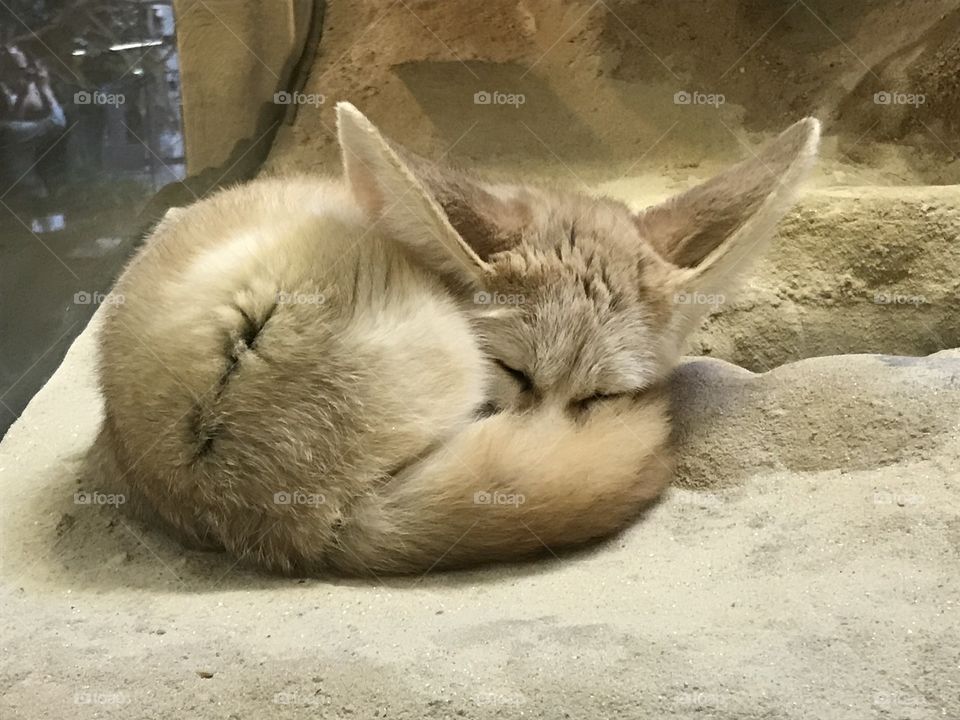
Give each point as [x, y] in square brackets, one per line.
[712, 232]
[386, 187]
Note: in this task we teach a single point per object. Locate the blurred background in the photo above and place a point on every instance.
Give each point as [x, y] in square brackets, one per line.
[89, 129]
[112, 111]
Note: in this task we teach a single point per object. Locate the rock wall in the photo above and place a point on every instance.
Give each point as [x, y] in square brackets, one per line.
[854, 270]
[599, 80]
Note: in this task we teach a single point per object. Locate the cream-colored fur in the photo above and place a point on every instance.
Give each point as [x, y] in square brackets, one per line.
[409, 369]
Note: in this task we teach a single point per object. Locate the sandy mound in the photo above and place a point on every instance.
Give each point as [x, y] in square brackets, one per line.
[880, 416]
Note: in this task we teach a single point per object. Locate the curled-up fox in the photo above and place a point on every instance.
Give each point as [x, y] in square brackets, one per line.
[409, 368]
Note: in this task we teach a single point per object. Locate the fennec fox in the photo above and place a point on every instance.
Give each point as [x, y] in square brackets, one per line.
[410, 369]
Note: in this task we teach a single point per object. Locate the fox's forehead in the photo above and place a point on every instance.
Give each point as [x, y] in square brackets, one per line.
[557, 218]
[586, 248]
[578, 240]
[589, 313]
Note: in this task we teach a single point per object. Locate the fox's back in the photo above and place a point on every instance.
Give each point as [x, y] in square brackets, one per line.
[268, 338]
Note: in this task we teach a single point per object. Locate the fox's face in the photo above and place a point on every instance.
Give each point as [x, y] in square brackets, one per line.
[574, 311]
[577, 301]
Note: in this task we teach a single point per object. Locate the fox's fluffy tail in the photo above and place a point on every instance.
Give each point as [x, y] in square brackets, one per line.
[509, 487]
[506, 487]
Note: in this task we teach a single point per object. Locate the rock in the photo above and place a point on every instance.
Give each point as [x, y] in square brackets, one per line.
[860, 269]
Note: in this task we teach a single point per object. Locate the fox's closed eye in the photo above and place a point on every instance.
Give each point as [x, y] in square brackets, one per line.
[584, 404]
[526, 384]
